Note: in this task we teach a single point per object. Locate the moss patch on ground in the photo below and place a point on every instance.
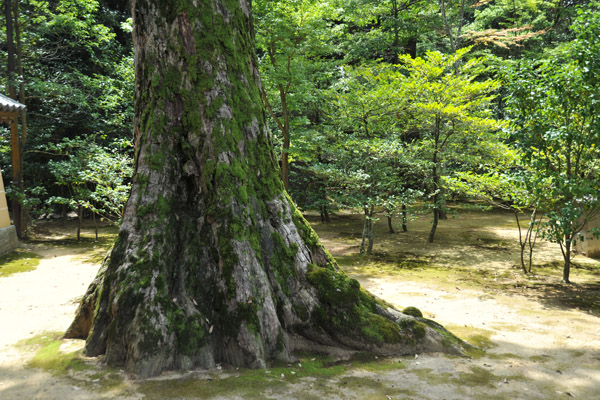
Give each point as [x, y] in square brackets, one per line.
[478, 376]
[257, 384]
[480, 338]
[63, 358]
[18, 261]
[49, 356]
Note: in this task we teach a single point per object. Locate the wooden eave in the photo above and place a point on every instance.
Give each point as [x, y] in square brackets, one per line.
[8, 117]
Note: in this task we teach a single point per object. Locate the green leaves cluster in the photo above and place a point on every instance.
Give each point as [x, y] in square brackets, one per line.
[554, 108]
[93, 177]
[78, 82]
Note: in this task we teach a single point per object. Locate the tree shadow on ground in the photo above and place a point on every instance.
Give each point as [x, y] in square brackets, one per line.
[580, 296]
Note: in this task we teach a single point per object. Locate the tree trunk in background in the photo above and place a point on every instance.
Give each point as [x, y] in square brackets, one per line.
[10, 49]
[24, 214]
[17, 212]
[390, 226]
[213, 263]
[371, 236]
[285, 148]
[436, 213]
[566, 250]
[404, 219]
[435, 178]
[79, 220]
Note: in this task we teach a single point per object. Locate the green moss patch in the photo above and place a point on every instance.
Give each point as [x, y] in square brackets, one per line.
[368, 387]
[477, 337]
[244, 383]
[321, 371]
[50, 357]
[348, 310]
[433, 378]
[56, 356]
[414, 311]
[478, 376]
[18, 261]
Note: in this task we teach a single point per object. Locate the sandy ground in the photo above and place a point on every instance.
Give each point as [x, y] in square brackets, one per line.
[535, 350]
[43, 300]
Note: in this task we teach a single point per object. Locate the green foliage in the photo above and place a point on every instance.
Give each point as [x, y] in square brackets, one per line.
[554, 106]
[93, 177]
[452, 115]
[78, 82]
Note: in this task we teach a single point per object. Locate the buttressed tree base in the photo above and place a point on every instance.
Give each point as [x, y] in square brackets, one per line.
[213, 263]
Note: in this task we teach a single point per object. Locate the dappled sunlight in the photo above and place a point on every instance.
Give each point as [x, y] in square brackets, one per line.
[538, 338]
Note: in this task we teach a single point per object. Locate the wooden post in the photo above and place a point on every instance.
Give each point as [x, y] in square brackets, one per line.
[17, 210]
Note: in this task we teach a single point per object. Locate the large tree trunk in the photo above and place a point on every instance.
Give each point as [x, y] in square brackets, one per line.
[213, 263]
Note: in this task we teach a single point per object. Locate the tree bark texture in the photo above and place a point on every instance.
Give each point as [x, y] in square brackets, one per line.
[213, 262]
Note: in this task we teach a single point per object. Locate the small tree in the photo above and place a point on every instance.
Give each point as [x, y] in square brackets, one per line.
[368, 151]
[556, 126]
[95, 178]
[508, 190]
[451, 109]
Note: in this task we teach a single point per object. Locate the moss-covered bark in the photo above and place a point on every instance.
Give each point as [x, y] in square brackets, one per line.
[214, 264]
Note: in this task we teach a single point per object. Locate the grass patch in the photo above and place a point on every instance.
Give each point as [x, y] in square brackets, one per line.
[542, 358]
[257, 384]
[49, 356]
[245, 383]
[52, 354]
[478, 377]
[375, 387]
[480, 338]
[18, 261]
[431, 378]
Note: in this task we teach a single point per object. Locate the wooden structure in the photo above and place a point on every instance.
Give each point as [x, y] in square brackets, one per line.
[10, 110]
[590, 246]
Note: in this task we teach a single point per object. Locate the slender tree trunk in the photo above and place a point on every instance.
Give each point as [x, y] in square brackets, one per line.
[324, 215]
[95, 224]
[79, 218]
[443, 208]
[532, 233]
[370, 232]
[23, 137]
[522, 242]
[436, 185]
[285, 167]
[567, 258]
[213, 262]
[10, 48]
[436, 179]
[17, 212]
[326, 212]
[404, 219]
[365, 232]
[396, 44]
[390, 226]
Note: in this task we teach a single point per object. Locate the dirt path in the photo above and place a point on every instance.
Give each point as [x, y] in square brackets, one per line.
[43, 300]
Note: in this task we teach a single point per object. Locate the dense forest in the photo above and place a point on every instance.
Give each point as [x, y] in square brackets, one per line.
[390, 108]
